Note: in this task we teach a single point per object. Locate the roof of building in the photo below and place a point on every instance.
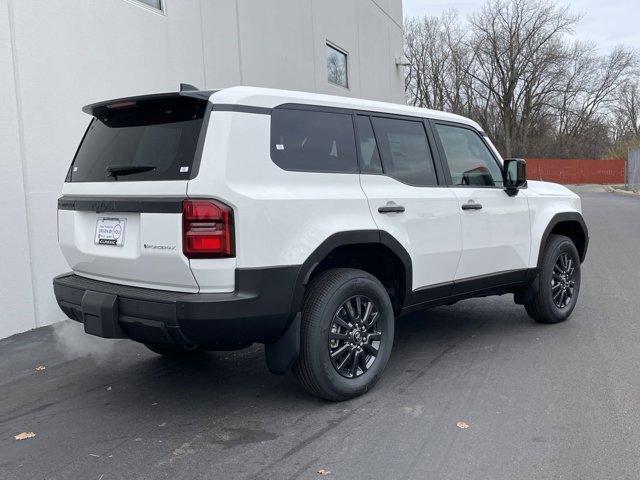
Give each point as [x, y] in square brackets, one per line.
[271, 98]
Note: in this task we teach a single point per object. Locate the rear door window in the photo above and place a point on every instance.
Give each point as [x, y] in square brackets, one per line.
[404, 148]
[313, 141]
[140, 141]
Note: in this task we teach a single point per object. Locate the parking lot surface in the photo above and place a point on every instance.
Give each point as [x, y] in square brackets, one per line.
[540, 402]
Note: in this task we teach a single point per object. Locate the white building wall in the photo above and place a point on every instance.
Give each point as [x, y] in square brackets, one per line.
[15, 268]
[58, 55]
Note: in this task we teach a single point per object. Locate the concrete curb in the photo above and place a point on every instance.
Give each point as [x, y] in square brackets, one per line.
[623, 192]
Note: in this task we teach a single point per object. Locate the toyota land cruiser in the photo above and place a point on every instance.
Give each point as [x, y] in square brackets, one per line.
[205, 220]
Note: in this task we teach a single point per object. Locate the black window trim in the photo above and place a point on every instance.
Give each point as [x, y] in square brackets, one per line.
[441, 172]
[358, 148]
[204, 130]
[443, 156]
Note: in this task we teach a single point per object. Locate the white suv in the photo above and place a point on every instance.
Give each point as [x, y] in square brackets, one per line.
[208, 220]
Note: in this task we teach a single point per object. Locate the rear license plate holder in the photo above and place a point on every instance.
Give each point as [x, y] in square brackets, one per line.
[110, 231]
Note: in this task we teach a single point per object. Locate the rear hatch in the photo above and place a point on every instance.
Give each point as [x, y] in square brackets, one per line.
[120, 217]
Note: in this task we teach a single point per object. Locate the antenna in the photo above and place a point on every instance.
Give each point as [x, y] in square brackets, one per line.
[186, 87]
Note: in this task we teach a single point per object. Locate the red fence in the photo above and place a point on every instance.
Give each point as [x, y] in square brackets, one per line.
[576, 171]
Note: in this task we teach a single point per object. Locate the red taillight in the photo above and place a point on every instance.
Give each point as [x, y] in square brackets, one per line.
[207, 229]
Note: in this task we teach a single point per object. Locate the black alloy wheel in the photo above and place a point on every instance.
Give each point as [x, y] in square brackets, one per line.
[346, 334]
[563, 280]
[354, 336]
[557, 285]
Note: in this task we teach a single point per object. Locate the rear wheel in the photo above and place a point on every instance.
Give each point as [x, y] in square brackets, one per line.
[347, 334]
[176, 351]
[559, 282]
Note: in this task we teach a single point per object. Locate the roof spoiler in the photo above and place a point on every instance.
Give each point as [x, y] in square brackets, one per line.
[186, 90]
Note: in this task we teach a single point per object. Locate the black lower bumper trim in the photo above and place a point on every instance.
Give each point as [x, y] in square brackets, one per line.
[258, 311]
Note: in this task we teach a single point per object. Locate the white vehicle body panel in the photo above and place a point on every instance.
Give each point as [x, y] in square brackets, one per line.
[282, 216]
[429, 228]
[496, 238]
[132, 264]
[545, 201]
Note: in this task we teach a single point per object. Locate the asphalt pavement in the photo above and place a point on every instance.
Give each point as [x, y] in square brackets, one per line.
[539, 402]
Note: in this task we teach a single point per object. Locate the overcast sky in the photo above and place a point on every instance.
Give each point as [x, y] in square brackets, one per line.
[606, 22]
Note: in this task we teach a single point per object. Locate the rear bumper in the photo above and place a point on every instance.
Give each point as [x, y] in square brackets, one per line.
[258, 311]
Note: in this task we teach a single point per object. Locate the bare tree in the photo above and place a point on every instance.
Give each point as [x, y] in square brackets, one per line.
[439, 61]
[513, 68]
[519, 54]
[591, 87]
[428, 57]
[627, 110]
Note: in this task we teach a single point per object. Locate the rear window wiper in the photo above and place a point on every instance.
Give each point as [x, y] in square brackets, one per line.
[116, 171]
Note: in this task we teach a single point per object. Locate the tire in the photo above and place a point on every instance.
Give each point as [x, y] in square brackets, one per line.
[174, 351]
[545, 306]
[320, 367]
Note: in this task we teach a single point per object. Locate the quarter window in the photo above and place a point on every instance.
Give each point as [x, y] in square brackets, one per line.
[337, 67]
[469, 159]
[313, 141]
[405, 151]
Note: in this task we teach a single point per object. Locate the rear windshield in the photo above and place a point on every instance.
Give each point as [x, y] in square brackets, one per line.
[140, 141]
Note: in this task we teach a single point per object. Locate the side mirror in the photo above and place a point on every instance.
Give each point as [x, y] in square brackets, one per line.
[515, 175]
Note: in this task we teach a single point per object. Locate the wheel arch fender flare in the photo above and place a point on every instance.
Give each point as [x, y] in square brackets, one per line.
[557, 219]
[343, 239]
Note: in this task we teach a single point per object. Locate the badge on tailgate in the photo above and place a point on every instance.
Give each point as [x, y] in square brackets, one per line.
[110, 231]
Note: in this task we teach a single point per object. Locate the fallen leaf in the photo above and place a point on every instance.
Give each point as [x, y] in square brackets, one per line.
[40, 368]
[24, 435]
[461, 424]
[324, 471]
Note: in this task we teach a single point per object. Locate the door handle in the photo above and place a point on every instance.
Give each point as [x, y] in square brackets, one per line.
[391, 208]
[471, 206]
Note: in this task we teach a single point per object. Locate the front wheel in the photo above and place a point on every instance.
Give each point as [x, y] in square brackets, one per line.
[347, 334]
[559, 282]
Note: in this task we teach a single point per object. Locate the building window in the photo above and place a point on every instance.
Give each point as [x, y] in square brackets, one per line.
[337, 67]
[157, 4]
